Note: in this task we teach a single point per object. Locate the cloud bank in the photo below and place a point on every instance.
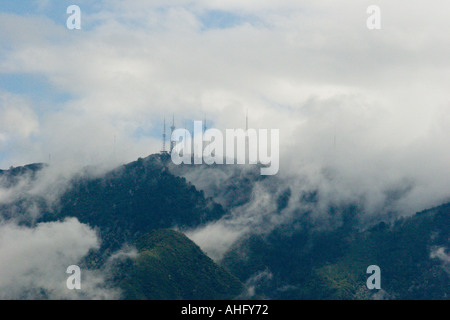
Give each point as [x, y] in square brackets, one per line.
[33, 261]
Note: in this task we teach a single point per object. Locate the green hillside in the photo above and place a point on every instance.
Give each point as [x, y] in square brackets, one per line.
[403, 254]
[134, 199]
[137, 203]
[332, 264]
[170, 266]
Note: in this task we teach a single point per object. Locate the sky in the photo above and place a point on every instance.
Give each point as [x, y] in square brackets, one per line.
[358, 100]
[364, 115]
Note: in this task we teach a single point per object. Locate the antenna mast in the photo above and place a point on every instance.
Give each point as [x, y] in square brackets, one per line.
[172, 128]
[164, 138]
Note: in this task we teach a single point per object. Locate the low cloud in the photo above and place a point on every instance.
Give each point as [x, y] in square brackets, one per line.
[441, 254]
[33, 261]
[254, 282]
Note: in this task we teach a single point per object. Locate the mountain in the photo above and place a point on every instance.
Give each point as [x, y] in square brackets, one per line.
[134, 199]
[170, 266]
[133, 206]
[140, 203]
[10, 178]
[332, 264]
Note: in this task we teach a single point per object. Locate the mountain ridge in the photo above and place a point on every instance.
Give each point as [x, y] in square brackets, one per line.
[145, 196]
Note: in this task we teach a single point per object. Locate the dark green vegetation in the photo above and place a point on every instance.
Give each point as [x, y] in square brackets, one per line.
[332, 264]
[20, 207]
[137, 203]
[134, 199]
[128, 206]
[10, 178]
[170, 266]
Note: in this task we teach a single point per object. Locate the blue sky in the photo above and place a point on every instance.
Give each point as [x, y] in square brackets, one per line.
[53, 9]
[35, 87]
[56, 10]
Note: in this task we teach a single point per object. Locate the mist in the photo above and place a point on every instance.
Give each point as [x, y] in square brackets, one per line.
[34, 255]
[33, 261]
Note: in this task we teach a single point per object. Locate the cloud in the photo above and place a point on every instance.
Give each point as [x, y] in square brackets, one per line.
[216, 238]
[18, 120]
[33, 261]
[256, 208]
[254, 282]
[440, 254]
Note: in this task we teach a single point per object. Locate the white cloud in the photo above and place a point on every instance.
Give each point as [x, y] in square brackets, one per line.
[440, 253]
[18, 120]
[34, 260]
